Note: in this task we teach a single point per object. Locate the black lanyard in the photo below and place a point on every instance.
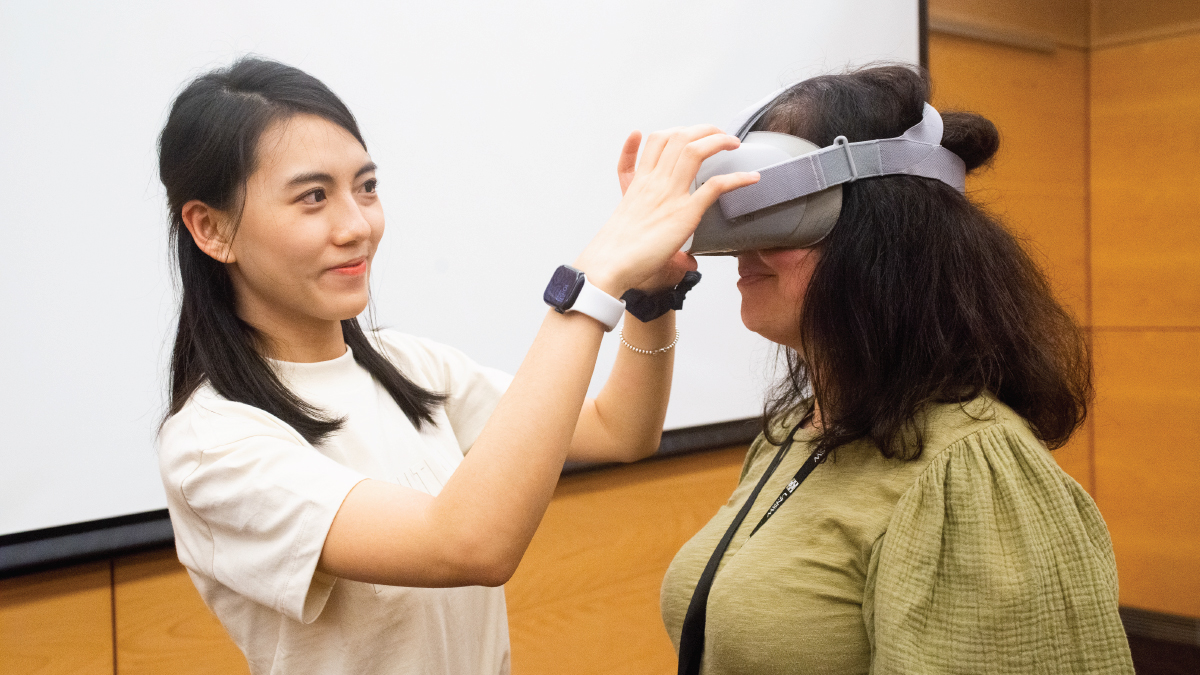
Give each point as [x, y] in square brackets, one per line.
[691, 638]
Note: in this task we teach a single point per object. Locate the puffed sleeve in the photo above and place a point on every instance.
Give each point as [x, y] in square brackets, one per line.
[995, 561]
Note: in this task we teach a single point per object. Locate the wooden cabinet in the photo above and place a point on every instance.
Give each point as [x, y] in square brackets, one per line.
[585, 598]
[57, 623]
[162, 625]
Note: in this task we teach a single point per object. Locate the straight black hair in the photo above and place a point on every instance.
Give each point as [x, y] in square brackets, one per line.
[207, 151]
[919, 296]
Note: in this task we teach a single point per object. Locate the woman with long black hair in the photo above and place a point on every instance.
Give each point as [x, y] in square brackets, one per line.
[346, 501]
[901, 512]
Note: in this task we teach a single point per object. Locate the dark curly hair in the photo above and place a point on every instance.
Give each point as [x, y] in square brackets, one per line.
[919, 296]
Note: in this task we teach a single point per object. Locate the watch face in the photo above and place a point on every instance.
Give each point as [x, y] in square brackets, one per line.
[563, 288]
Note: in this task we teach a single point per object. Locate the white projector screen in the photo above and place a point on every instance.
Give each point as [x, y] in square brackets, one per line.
[496, 127]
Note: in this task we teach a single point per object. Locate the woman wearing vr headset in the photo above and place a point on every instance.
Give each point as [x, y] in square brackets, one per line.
[318, 476]
[901, 512]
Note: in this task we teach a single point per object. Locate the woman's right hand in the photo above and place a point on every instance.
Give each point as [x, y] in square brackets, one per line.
[658, 212]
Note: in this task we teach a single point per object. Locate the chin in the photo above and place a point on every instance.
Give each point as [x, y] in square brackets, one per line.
[344, 308]
[769, 327]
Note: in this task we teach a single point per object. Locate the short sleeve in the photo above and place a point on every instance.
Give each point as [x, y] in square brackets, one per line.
[251, 503]
[472, 390]
[995, 561]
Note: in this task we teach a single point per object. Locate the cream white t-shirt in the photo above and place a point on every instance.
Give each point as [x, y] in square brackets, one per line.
[251, 503]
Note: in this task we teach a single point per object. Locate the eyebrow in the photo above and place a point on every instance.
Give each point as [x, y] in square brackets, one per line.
[321, 177]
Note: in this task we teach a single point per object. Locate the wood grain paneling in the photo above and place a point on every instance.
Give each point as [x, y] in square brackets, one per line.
[585, 598]
[162, 625]
[1146, 185]
[1038, 183]
[1120, 21]
[58, 622]
[1076, 457]
[1148, 464]
[1062, 21]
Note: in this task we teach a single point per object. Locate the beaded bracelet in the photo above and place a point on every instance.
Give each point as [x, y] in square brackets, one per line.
[650, 352]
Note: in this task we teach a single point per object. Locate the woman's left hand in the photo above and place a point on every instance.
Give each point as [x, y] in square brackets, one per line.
[680, 263]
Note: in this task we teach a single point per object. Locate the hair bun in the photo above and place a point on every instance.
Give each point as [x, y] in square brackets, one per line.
[972, 137]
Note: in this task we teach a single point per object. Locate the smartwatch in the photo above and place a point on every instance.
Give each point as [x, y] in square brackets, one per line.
[570, 291]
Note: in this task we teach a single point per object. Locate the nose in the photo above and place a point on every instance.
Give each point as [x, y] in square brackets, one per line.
[351, 224]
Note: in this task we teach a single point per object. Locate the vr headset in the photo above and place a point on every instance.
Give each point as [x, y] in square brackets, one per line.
[798, 198]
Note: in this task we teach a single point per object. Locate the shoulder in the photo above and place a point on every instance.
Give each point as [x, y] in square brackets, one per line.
[951, 426]
[982, 450]
[208, 419]
[437, 366]
[428, 360]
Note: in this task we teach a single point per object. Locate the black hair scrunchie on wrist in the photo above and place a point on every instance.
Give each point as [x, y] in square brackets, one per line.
[649, 306]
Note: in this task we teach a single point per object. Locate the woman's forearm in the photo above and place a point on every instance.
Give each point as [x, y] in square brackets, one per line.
[478, 527]
[624, 422]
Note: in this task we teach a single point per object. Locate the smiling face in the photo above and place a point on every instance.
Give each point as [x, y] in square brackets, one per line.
[301, 255]
[773, 283]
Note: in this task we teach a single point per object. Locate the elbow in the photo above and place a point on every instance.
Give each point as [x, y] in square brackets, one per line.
[483, 564]
[495, 575]
[492, 572]
[644, 449]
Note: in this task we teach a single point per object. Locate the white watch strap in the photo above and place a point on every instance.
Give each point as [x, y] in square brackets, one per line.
[599, 305]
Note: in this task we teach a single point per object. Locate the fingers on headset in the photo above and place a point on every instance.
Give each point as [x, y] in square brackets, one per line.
[680, 143]
[654, 149]
[628, 159]
[718, 185]
[700, 149]
[685, 261]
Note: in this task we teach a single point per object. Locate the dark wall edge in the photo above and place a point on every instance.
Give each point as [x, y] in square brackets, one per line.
[923, 32]
[54, 547]
[1158, 626]
[690, 440]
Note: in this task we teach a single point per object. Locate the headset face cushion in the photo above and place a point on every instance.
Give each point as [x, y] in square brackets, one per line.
[799, 223]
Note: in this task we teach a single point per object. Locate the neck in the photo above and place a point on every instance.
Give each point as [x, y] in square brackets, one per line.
[304, 345]
[814, 418]
[297, 339]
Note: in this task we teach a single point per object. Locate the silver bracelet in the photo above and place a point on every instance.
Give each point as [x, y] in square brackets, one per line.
[650, 352]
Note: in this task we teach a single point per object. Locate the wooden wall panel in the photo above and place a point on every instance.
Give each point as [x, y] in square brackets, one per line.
[585, 598]
[57, 623]
[1122, 21]
[162, 625]
[1062, 21]
[1076, 457]
[1038, 183]
[1146, 186]
[1148, 464]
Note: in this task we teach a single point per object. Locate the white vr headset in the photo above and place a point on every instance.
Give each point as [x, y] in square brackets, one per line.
[798, 197]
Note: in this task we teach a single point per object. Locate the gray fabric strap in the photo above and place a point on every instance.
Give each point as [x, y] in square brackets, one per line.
[918, 152]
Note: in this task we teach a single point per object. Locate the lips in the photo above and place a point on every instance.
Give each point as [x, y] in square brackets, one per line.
[751, 270]
[352, 268]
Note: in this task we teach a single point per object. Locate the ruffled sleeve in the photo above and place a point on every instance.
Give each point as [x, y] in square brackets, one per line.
[995, 561]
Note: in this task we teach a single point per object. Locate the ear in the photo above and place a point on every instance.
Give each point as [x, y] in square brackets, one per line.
[208, 229]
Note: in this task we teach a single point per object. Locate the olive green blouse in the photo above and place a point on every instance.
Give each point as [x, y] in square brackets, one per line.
[982, 556]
